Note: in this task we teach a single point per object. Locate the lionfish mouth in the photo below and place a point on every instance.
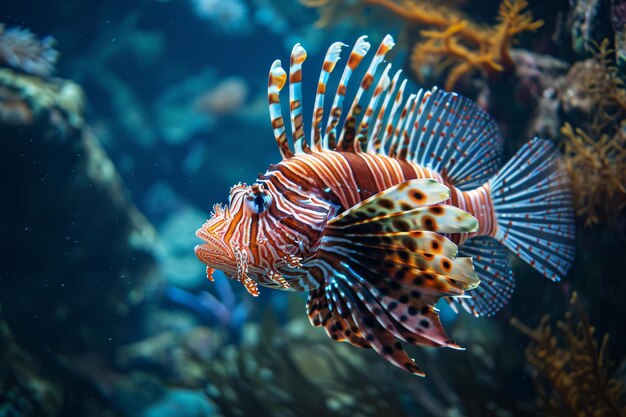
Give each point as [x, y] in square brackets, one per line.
[217, 254]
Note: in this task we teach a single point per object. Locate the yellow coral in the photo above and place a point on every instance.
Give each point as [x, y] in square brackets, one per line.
[597, 169]
[452, 41]
[606, 90]
[464, 47]
[572, 372]
[596, 160]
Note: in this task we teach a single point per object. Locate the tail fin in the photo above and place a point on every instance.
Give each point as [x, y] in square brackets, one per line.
[533, 205]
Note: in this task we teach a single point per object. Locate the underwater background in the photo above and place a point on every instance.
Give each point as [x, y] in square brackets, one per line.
[122, 123]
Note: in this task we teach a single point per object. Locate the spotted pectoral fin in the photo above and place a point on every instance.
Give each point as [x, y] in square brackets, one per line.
[411, 205]
[401, 197]
[380, 283]
[459, 269]
[412, 241]
[359, 304]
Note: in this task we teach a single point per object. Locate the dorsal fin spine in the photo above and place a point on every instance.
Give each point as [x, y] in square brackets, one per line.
[298, 55]
[330, 61]
[396, 104]
[405, 138]
[375, 140]
[276, 82]
[381, 87]
[434, 126]
[356, 56]
[368, 79]
[414, 124]
[422, 140]
[399, 126]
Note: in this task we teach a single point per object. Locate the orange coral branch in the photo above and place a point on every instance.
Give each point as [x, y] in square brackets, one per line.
[596, 160]
[597, 170]
[473, 47]
[571, 373]
[458, 43]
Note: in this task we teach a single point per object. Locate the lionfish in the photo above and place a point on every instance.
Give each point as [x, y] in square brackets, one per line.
[407, 204]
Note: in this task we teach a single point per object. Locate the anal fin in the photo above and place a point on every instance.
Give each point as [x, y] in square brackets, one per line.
[491, 263]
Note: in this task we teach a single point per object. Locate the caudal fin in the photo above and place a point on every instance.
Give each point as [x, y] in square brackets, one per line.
[533, 205]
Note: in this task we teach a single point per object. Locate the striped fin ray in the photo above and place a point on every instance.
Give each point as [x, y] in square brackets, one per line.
[405, 151]
[491, 262]
[389, 129]
[387, 281]
[315, 305]
[375, 140]
[533, 206]
[414, 318]
[457, 139]
[379, 288]
[360, 49]
[413, 241]
[382, 85]
[336, 320]
[428, 283]
[348, 133]
[277, 79]
[460, 269]
[382, 341]
[330, 61]
[343, 322]
[399, 133]
[298, 56]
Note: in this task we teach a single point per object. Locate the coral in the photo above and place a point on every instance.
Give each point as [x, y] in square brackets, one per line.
[225, 309]
[225, 98]
[227, 16]
[178, 110]
[81, 254]
[571, 371]
[606, 89]
[462, 47]
[595, 154]
[22, 51]
[293, 370]
[597, 169]
[585, 24]
[618, 22]
[175, 354]
[452, 42]
[283, 373]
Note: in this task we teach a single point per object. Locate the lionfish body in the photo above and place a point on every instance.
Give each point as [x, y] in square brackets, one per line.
[408, 204]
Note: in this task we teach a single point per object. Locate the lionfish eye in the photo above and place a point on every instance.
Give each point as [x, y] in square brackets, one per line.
[258, 199]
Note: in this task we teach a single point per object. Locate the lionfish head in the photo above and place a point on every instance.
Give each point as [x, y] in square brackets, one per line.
[252, 239]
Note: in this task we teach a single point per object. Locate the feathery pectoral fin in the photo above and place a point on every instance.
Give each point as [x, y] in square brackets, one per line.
[385, 272]
[411, 205]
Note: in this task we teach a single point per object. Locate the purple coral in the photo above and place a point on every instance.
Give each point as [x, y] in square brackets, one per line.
[22, 51]
[223, 309]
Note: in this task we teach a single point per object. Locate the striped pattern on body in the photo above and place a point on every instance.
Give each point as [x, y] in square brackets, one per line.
[402, 204]
[346, 179]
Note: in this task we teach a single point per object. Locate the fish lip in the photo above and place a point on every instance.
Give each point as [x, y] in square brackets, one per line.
[215, 253]
[214, 258]
[215, 241]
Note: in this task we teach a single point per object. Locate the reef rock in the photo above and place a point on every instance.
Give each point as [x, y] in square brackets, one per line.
[77, 255]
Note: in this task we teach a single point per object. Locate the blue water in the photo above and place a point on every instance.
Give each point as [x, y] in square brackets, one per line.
[102, 321]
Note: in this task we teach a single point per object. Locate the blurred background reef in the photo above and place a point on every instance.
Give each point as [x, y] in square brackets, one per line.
[121, 123]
